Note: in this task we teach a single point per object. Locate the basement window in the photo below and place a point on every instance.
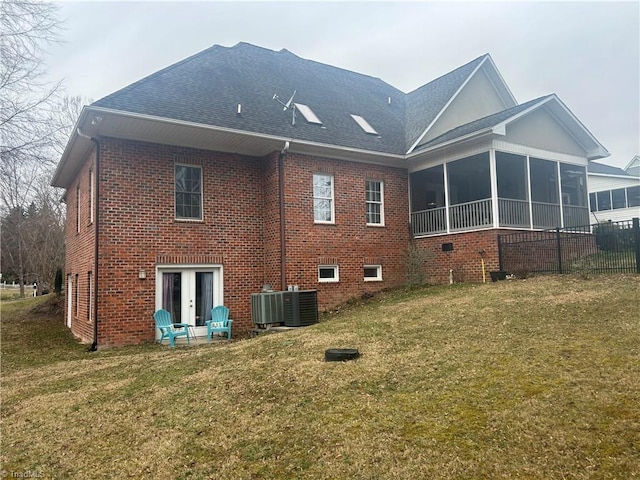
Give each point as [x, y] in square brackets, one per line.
[364, 124]
[373, 273]
[307, 113]
[328, 274]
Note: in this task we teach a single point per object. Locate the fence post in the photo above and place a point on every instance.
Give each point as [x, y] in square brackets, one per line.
[500, 262]
[559, 248]
[636, 241]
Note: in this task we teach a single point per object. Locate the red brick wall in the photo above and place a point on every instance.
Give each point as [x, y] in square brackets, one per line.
[241, 231]
[465, 259]
[271, 220]
[79, 260]
[138, 228]
[349, 242]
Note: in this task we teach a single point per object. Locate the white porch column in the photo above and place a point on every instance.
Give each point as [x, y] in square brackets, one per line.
[446, 196]
[493, 171]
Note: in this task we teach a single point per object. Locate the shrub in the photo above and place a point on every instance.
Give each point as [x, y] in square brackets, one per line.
[610, 237]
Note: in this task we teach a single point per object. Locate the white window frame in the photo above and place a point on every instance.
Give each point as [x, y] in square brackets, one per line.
[334, 279]
[175, 192]
[381, 203]
[377, 278]
[330, 199]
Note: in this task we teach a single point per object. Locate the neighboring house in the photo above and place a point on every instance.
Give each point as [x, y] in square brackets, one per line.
[614, 193]
[633, 167]
[239, 167]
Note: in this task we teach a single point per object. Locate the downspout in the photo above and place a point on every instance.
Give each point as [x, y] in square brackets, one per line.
[283, 246]
[94, 345]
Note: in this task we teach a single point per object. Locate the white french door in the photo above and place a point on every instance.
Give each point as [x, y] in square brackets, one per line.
[189, 294]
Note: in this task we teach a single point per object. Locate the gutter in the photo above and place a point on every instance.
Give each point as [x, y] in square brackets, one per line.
[94, 345]
[283, 246]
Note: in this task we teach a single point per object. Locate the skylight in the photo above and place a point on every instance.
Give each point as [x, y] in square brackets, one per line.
[364, 124]
[307, 113]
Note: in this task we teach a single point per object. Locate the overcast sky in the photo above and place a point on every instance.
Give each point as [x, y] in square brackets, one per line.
[588, 53]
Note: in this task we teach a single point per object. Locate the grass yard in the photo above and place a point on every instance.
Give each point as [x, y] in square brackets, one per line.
[529, 379]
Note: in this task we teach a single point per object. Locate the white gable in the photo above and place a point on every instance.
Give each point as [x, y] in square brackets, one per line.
[478, 98]
[539, 129]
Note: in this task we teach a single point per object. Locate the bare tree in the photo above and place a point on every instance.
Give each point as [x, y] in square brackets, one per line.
[26, 126]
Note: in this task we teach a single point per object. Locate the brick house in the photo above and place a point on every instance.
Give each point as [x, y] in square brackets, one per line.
[239, 167]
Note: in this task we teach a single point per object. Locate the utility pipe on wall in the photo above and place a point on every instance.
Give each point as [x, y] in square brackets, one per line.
[283, 247]
[484, 275]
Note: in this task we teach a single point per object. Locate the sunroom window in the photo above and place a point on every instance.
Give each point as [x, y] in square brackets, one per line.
[513, 201]
[544, 193]
[470, 192]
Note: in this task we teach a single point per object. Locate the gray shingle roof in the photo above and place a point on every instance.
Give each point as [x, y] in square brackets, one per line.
[207, 87]
[605, 169]
[426, 102]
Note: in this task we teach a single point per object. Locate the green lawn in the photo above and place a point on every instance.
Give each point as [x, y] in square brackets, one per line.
[529, 379]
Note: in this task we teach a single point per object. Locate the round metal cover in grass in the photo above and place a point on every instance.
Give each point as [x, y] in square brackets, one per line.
[341, 354]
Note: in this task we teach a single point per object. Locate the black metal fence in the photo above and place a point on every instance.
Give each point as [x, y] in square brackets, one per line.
[599, 248]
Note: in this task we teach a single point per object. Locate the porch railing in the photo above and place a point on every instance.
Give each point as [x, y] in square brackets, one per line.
[575, 216]
[429, 221]
[471, 215]
[511, 213]
[514, 213]
[545, 215]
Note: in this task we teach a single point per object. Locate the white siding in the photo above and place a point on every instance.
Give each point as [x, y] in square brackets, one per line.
[539, 129]
[477, 99]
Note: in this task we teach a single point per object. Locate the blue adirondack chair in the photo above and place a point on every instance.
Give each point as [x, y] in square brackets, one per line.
[168, 329]
[219, 322]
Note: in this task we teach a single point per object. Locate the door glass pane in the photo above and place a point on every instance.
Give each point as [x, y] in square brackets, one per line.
[204, 297]
[171, 294]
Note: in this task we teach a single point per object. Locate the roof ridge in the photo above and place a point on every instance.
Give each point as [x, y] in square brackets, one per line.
[284, 51]
[466, 65]
[164, 70]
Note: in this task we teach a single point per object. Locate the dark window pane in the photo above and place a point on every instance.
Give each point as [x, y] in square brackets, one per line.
[592, 202]
[544, 181]
[427, 189]
[512, 176]
[604, 200]
[633, 196]
[188, 192]
[574, 185]
[618, 198]
[469, 179]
